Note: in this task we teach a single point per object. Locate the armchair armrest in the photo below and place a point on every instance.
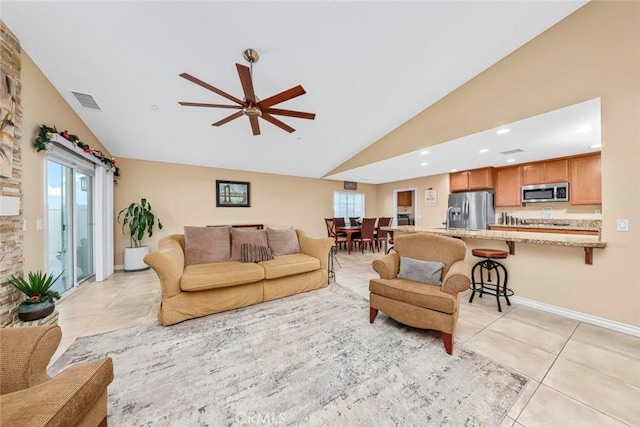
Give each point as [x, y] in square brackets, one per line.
[388, 266]
[62, 400]
[458, 278]
[25, 354]
[317, 247]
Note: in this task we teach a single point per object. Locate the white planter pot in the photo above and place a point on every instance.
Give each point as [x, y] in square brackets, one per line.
[133, 258]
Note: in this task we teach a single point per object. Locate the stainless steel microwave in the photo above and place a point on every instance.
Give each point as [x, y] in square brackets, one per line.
[558, 192]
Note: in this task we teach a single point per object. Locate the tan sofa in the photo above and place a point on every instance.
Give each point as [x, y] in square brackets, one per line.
[29, 397]
[197, 290]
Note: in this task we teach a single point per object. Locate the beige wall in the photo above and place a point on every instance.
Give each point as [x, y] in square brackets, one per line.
[42, 104]
[425, 216]
[592, 53]
[185, 195]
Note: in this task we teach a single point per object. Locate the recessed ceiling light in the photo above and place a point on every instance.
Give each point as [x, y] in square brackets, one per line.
[424, 164]
[424, 152]
[154, 107]
[364, 179]
[503, 131]
[454, 170]
[484, 150]
[583, 129]
[596, 146]
[511, 160]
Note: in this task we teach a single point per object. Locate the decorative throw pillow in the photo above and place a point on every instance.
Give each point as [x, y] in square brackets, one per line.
[421, 271]
[283, 242]
[254, 253]
[203, 245]
[238, 237]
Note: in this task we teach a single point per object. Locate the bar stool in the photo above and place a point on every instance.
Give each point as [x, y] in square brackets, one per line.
[487, 266]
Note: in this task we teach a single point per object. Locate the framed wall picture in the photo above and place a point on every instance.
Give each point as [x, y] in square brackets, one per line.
[233, 194]
[350, 185]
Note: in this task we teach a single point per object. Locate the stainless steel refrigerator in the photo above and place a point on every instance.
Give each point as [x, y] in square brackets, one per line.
[474, 210]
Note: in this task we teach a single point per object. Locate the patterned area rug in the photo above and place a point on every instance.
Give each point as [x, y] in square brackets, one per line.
[310, 359]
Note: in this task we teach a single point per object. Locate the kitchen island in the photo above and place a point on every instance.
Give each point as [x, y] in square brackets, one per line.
[588, 243]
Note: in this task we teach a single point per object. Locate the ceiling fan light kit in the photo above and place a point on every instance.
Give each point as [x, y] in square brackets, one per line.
[251, 106]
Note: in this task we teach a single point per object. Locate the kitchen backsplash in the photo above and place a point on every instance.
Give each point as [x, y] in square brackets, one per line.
[559, 211]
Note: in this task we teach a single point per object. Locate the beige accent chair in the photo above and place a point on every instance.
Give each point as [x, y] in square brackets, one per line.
[29, 397]
[419, 304]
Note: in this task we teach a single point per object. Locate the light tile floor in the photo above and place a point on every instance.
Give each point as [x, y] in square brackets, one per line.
[580, 374]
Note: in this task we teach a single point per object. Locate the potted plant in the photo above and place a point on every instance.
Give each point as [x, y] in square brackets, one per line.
[137, 220]
[40, 298]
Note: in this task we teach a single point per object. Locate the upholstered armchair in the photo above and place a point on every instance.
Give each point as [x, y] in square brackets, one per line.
[419, 283]
[29, 397]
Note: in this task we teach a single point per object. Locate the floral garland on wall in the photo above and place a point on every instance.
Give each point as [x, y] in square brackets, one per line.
[43, 143]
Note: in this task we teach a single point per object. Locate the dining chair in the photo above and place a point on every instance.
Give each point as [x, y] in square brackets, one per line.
[339, 221]
[340, 239]
[381, 235]
[366, 234]
[353, 221]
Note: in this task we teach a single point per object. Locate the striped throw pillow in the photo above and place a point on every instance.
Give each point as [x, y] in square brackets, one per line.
[250, 252]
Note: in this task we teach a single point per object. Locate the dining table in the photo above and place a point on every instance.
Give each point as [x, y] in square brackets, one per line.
[349, 230]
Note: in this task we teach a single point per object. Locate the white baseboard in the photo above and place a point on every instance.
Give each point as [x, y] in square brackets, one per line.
[118, 267]
[587, 318]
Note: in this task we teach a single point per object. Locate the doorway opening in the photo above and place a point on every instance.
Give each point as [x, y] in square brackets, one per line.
[405, 206]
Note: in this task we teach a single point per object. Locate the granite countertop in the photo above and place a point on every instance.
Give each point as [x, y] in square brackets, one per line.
[574, 240]
[560, 224]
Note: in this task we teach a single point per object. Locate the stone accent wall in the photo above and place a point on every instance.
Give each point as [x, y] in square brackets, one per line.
[11, 238]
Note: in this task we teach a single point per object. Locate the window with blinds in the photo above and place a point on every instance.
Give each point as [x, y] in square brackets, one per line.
[348, 204]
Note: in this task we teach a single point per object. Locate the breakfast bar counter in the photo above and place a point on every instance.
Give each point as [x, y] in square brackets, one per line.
[512, 237]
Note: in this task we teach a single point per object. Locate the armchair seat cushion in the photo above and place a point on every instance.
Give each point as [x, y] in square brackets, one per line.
[289, 265]
[200, 277]
[415, 293]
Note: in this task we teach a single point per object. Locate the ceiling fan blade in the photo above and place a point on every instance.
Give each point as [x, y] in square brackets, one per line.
[200, 104]
[290, 113]
[247, 84]
[228, 119]
[211, 88]
[281, 97]
[277, 122]
[255, 125]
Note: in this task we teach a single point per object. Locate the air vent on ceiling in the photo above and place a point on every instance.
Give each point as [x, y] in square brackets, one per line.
[514, 151]
[86, 100]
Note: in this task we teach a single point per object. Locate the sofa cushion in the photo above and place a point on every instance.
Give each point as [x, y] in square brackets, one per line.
[254, 253]
[283, 242]
[288, 265]
[219, 275]
[203, 245]
[415, 293]
[420, 271]
[238, 237]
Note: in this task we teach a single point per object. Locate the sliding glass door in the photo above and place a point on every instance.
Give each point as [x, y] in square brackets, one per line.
[84, 225]
[70, 223]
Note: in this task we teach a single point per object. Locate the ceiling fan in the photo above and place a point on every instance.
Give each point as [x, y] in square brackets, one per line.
[251, 106]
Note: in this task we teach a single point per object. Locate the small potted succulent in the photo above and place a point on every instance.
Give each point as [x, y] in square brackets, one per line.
[40, 298]
[137, 220]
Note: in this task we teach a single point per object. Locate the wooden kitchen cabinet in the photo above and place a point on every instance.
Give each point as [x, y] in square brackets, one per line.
[508, 184]
[459, 181]
[545, 172]
[405, 198]
[586, 180]
[481, 179]
[476, 179]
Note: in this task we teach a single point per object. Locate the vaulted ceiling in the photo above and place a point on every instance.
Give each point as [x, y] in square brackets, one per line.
[367, 68]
